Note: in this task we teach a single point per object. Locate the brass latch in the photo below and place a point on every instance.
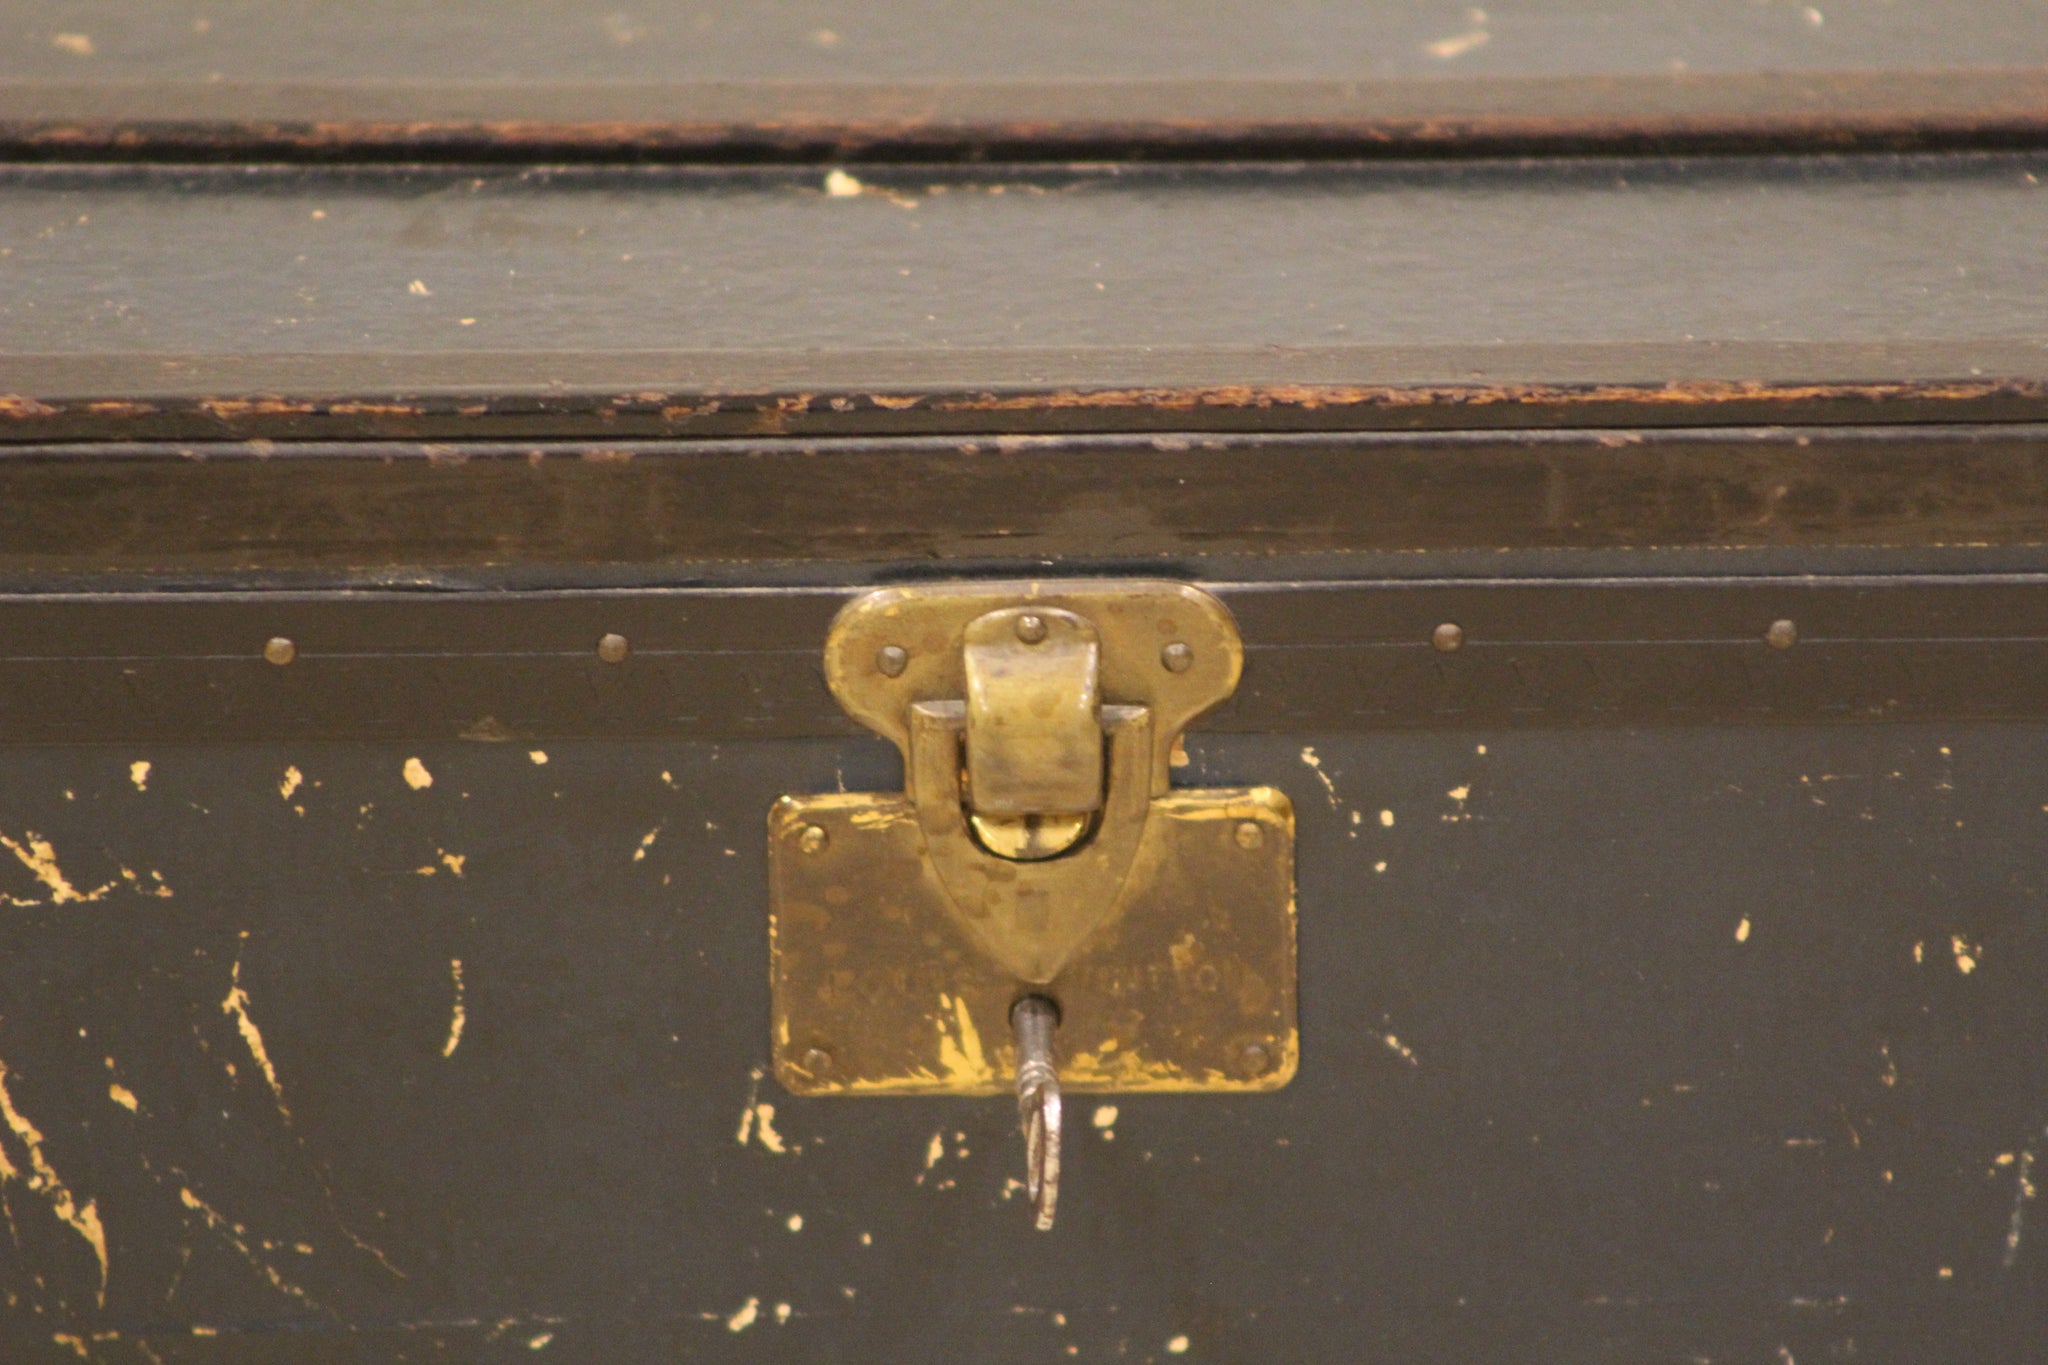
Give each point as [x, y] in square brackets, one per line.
[1039, 851]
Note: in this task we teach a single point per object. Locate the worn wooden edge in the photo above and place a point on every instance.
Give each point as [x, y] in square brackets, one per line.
[746, 663]
[624, 395]
[940, 120]
[335, 511]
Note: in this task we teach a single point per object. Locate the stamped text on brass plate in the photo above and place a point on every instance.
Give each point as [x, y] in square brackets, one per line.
[1038, 848]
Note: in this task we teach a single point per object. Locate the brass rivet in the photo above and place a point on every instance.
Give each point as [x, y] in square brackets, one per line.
[1031, 629]
[892, 660]
[612, 648]
[279, 650]
[813, 839]
[1177, 657]
[817, 1061]
[1254, 1060]
[1782, 635]
[1249, 835]
[1448, 636]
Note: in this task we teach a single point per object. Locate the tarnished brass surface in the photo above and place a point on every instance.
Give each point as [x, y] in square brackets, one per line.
[1137, 620]
[878, 989]
[1037, 849]
[1034, 728]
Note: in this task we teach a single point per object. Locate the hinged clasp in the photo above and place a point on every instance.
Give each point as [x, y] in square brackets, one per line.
[1038, 849]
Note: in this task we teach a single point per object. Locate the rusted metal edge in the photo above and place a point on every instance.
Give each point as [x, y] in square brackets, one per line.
[450, 396]
[329, 511]
[818, 121]
[1320, 657]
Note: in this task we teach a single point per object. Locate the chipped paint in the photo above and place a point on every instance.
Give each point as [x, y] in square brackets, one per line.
[840, 185]
[757, 1120]
[1966, 953]
[795, 1222]
[452, 861]
[1105, 1116]
[416, 775]
[39, 856]
[123, 1096]
[782, 1313]
[459, 1016]
[646, 842]
[1177, 1346]
[1386, 819]
[1742, 930]
[745, 1318]
[42, 1179]
[934, 1152]
[290, 783]
[138, 773]
[1458, 44]
[1400, 1049]
[539, 757]
[1315, 765]
[157, 887]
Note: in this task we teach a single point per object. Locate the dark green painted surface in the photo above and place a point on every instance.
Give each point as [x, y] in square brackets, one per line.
[1616, 1047]
[815, 81]
[294, 303]
[929, 42]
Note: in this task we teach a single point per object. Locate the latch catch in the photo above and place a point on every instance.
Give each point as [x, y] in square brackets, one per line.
[1038, 850]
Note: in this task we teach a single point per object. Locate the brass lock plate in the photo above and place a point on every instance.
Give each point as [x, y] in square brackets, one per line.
[899, 943]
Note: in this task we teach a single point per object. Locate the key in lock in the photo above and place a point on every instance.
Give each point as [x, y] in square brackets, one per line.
[1039, 878]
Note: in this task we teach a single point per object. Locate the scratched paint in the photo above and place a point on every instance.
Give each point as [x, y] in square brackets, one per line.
[416, 775]
[459, 1017]
[42, 1180]
[290, 782]
[39, 856]
[960, 1051]
[237, 1236]
[236, 1005]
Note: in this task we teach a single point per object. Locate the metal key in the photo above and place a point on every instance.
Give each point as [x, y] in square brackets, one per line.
[1033, 1020]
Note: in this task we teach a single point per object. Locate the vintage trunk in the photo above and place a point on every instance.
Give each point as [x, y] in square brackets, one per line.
[1605, 919]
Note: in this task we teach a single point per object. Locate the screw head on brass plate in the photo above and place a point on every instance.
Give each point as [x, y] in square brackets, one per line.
[1177, 657]
[891, 660]
[280, 651]
[813, 839]
[612, 648]
[1782, 635]
[1249, 835]
[1447, 637]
